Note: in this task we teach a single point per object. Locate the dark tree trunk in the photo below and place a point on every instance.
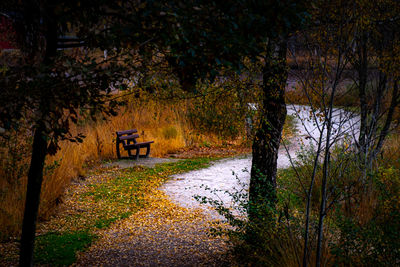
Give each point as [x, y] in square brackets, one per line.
[35, 177]
[268, 135]
[362, 69]
[39, 149]
[389, 118]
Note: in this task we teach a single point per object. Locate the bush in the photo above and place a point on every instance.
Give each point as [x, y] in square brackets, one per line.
[222, 111]
[374, 242]
[362, 225]
[169, 132]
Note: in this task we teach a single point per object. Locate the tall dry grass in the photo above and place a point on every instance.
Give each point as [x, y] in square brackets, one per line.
[162, 121]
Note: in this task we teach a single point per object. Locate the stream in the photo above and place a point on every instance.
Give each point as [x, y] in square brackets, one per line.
[233, 174]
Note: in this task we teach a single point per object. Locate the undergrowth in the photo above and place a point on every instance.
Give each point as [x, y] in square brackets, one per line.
[362, 222]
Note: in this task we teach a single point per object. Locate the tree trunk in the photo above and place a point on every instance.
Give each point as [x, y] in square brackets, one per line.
[309, 195]
[35, 177]
[389, 118]
[362, 70]
[268, 135]
[326, 163]
[39, 148]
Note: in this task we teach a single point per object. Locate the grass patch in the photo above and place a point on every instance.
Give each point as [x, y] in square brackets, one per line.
[290, 127]
[106, 222]
[58, 249]
[126, 193]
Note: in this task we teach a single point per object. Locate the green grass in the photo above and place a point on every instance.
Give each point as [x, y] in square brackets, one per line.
[289, 128]
[105, 222]
[290, 124]
[125, 189]
[183, 165]
[59, 249]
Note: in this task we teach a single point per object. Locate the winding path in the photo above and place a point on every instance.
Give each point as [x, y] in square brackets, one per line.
[230, 175]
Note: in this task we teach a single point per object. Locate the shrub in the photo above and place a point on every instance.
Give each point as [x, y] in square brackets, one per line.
[170, 132]
[222, 110]
[374, 242]
[362, 224]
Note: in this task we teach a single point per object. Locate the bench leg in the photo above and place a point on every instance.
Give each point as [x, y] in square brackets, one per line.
[148, 151]
[137, 153]
[118, 153]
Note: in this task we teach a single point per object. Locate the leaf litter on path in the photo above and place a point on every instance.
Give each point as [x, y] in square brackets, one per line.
[164, 234]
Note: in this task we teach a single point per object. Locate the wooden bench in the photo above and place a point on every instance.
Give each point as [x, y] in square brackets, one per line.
[128, 140]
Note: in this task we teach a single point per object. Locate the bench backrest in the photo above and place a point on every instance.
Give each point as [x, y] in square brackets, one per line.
[119, 133]
[127, 135]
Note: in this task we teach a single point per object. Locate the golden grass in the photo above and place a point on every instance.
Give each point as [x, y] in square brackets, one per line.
[164, 122]
[391, 149]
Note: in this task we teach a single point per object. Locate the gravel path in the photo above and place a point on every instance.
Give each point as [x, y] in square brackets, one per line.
[128, 163]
